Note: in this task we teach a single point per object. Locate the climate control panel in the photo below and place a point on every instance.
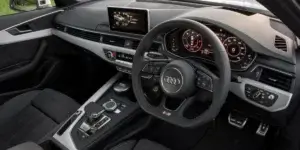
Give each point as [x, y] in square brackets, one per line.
[260, 96]
[118, 56]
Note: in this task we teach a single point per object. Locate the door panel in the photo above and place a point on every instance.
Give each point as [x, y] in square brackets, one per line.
[16, 53]
[36, 26]
[18, 70]
[23, 43]
[12, 20]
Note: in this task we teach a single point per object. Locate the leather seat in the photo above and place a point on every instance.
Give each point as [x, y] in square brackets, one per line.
[142, 144]
[32, 115]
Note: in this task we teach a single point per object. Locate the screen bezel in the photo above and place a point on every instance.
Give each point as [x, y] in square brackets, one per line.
[144, 12]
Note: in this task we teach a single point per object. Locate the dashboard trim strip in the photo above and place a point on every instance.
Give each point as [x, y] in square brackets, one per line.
[105, 33]
[7, 38]
[44, 15]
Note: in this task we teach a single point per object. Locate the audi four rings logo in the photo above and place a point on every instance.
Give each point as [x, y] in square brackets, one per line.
[172, 80]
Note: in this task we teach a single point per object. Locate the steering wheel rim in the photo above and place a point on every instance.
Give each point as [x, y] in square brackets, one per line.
[220, 85]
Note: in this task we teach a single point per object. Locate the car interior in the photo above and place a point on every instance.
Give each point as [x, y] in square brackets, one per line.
[148, 75]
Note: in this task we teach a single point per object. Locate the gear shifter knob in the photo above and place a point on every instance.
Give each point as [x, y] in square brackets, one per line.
[93, 117]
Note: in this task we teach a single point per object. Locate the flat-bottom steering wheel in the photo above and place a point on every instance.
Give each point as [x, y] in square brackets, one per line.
[178, 78]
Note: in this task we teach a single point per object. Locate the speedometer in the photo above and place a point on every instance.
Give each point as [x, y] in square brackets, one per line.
[192, 41]
[236, 49]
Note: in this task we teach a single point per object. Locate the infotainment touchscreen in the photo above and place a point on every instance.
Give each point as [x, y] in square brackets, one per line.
[130, 20]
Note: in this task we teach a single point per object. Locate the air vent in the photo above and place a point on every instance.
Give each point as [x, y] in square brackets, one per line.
[113, 40]
[83, 34]
[280, 43]
[276, 79]
[135, 44]
[59, 27]
[154, 47]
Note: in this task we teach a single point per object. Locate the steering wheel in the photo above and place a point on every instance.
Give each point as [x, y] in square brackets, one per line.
[182, 78]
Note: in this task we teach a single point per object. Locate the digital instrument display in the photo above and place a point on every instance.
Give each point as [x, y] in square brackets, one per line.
[191, 44]
[128, 20]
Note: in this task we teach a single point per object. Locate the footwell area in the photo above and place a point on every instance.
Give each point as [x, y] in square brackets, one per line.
[223, 136]
[216, 135]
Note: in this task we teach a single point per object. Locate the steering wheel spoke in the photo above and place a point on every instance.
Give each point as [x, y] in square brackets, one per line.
[154, 62]
[179, 111]
[185, 105]
[156, 57]
[206, 80]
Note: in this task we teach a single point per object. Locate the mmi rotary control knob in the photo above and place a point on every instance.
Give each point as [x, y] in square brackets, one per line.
[110, 106]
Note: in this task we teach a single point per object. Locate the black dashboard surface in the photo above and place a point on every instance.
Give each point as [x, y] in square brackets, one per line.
[255, 29]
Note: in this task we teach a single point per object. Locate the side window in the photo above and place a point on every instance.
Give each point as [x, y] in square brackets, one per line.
[8, 7]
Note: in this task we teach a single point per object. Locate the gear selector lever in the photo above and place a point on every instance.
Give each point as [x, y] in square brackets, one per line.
[95, 120]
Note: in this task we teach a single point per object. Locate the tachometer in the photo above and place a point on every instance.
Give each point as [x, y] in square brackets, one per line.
[236, 49]
[192, 41]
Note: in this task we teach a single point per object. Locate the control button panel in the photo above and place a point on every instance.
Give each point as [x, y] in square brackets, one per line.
[118, 57]
[110, 105]
[260, 96]
[113, 106]
[111, 55]
[124, 57]
[204, 81]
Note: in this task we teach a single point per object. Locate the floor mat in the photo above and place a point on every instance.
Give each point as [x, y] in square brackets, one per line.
[226, 137]
[176, 138]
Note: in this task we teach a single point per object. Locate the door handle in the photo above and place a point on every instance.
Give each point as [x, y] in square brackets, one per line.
[23, 31]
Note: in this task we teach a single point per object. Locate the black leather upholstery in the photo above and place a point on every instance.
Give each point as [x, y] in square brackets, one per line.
[30, 116]
[142, 144]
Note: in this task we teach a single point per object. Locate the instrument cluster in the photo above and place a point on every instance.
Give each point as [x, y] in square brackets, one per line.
[190, 44]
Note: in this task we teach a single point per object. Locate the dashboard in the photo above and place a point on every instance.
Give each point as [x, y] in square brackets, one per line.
[261, 49]
[187, 43]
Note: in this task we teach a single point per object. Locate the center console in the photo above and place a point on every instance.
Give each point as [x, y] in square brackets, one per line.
[105, 112]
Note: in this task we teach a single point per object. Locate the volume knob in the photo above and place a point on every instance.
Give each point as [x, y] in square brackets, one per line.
[110, 55]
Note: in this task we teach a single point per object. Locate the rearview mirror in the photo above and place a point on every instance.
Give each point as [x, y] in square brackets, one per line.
[28, 5]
